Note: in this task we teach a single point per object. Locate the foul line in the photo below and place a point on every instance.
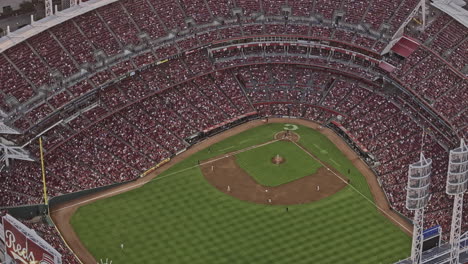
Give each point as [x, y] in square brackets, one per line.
[223, 157]
[165, 176]
[352, 187]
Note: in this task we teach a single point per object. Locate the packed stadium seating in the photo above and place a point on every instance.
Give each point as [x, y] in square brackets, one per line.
[149, 104]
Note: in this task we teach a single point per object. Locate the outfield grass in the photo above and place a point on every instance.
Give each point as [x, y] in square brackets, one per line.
[257, 163]
[181, 218]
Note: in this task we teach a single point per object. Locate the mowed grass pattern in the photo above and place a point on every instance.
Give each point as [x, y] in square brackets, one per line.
[181, 218]
[257, 163]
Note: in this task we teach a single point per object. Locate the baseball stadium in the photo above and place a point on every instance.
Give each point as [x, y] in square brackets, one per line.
[233, 131]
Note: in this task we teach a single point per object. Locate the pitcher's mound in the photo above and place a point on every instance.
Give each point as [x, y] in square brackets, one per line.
[278, 160]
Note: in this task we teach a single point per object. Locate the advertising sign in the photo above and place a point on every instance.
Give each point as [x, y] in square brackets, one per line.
[24, 246]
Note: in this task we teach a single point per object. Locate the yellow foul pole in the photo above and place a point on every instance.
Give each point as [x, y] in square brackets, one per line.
[46, 201]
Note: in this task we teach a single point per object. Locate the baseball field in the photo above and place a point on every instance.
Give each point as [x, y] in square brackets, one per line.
[260, 196]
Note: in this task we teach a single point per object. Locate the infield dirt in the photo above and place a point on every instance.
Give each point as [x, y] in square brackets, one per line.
[61, 214]
[226, 172]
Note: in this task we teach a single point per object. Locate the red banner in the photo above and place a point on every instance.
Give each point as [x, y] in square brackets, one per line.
[23, 245]
[39, 253]
[15, 243]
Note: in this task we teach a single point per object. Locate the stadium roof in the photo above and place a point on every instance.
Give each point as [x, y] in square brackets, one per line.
[37, 27]
[454, 8]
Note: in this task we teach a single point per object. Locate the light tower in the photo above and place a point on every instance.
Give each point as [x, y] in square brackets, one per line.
[419, 179]
[457, 182]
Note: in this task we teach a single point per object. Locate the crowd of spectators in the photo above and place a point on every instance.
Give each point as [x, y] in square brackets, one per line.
[203, 102]
[64, 49]
[107, 144]
[96, 31]
[438, 84]
[146, 118]
[387, 129]
[447, 38]
[53, 54]
[119, 22]
[115, 26]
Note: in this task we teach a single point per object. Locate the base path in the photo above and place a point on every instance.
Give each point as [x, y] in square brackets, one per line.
[226, 175]
[62, 213]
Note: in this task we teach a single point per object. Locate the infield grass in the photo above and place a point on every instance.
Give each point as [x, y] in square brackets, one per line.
[180, 218]
[257, 163]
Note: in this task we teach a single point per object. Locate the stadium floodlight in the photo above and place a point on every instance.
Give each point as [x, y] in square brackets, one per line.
[457, 183]
[419, 179]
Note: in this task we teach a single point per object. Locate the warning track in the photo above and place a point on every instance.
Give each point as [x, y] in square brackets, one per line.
[62, 214]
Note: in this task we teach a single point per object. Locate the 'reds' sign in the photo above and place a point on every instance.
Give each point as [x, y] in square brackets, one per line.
[24, 246]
